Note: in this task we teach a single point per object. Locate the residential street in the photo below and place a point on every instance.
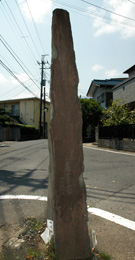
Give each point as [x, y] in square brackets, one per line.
[110, 183]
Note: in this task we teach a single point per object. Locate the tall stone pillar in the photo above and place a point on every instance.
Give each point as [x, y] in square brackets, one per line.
[67, 195]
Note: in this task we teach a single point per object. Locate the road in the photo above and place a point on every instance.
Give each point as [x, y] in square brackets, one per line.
[110, 184]
[110, 181]
[23, 171]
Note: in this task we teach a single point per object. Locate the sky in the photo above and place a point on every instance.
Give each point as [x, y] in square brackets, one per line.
[103, 34]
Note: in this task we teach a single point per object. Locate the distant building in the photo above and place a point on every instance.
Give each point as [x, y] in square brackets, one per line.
[102, 90]
[125, 90]
[27, 111]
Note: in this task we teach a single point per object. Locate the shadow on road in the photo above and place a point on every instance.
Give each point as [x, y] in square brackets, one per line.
[117, 196]
[10, 180]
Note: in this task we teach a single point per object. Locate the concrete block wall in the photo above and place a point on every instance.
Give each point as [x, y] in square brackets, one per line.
[125, 144]
[10, 134]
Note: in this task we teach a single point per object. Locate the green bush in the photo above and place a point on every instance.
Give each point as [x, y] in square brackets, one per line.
[28, 132]
[28, 129]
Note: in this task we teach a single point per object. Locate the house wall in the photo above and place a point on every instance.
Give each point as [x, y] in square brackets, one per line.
[99, 92]
[8, 105]
[126, 91]
[29, 110]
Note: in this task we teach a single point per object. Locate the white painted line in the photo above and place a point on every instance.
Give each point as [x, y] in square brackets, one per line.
[112, 217]
[98, 212]
[109, 151]
[23, 197]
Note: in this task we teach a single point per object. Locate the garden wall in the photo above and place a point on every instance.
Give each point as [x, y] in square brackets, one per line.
[114, 143]
[16, 134]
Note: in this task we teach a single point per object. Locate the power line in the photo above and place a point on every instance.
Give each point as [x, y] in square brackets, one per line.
[131, 2]
[18, 93]
[7, 63]
[109, 11]
[13, 89]
[8, 94]
[35, 26]
[10, 22]
[84, 12]
[13, 75]
[13, 55]
[20, 30]
[27, 28]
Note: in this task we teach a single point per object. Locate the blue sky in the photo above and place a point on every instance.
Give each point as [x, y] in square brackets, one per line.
[103, 34]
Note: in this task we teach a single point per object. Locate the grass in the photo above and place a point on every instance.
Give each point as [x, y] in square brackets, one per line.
[104, 256]
[32, 223]
[32, 252]
[1, 257]
[51, 251]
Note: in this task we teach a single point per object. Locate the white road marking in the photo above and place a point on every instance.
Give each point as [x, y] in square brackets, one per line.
[112, 217]
[98, 212]
[109, 151]
[23, 197]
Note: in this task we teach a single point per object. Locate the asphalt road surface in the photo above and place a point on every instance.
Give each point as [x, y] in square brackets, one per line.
[109, 176]
[110, 184]
[110, 181]
[23, 171]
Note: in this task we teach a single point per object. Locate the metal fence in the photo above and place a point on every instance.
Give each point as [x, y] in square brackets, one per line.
[120, 132]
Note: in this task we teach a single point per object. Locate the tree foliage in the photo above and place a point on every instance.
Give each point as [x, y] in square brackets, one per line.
[4, 117]
[118, 114]
[91, 113]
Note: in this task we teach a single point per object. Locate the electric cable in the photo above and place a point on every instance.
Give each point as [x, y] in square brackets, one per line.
[10, 22]
[35, 26]
[20, 30]
[27, 28]
[131, 2]
[79, 9]
[13, 75]
[14, 89]
[13, 55]
[131, 19]
[9, 65]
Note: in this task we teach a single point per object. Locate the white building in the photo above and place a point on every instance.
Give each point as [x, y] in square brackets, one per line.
[126, 89]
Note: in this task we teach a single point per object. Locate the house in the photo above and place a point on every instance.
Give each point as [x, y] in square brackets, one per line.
[102, 90]
[125, 90]
[27, 111]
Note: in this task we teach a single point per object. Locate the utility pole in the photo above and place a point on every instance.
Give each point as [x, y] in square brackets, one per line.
[44, 116]
[43, 82]
[41, 92]
[40, 118]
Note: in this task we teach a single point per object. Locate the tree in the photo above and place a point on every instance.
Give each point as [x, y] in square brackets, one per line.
[118, 114]
[91, 113]
[4, 117]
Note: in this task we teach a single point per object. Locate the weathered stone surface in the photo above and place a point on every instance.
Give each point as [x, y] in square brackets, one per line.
[15, 249]
[67, 195]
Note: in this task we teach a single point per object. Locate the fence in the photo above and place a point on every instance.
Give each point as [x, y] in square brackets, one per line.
[17, 134]
[119, 132]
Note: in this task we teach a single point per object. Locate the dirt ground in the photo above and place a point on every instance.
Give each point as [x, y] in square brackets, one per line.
[30, 232]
